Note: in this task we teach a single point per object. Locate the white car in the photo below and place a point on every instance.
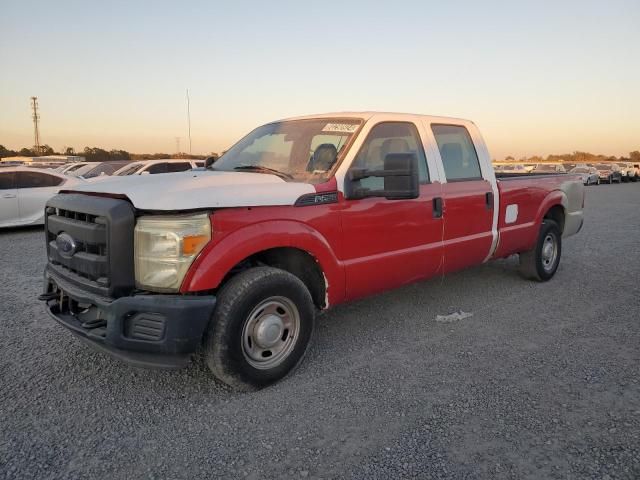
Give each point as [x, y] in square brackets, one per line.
[146, 167]
[629, 171]
[70, 167]
[24, 192]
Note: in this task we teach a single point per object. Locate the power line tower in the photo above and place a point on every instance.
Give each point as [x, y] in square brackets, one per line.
[36, 131]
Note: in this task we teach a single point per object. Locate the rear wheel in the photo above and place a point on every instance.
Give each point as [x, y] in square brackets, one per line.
[542, 262]
[260, 329]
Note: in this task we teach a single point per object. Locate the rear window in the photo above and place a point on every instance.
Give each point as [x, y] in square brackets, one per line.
[459, 156]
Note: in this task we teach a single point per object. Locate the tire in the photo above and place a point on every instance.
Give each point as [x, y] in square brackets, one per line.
[536, 264]
[233, 350]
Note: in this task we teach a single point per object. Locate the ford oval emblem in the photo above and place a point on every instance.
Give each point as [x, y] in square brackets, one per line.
[66, 245]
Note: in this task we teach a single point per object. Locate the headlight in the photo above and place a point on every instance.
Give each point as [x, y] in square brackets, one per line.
[165, 247]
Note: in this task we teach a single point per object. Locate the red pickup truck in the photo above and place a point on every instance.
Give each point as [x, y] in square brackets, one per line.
[234, 260]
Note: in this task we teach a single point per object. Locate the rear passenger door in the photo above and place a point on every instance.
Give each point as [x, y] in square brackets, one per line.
[8, 199]
[467, 199]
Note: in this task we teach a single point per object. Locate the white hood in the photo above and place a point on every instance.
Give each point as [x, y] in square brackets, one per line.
[201, 189]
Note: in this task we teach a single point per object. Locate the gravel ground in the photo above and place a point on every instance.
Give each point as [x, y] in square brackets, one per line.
[543, 381]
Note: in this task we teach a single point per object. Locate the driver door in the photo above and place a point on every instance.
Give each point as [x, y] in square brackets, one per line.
[388, 243]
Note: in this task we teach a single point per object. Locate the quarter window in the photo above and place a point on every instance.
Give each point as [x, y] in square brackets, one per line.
[458, 154]
[388, 138]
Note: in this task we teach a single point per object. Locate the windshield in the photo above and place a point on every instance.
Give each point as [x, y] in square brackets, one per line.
[580, 170]
[131, 169]
[297, 150]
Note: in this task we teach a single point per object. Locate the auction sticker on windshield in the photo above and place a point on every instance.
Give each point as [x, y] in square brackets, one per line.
[340, 127]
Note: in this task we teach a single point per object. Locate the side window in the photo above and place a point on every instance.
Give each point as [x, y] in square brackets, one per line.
[178, 166]
[7, 181]
[386, 138]
[458, 154]
[37, 180]
[157, 168]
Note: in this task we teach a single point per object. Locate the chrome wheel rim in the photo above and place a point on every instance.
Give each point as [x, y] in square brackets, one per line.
[549, 252]
[270, 332]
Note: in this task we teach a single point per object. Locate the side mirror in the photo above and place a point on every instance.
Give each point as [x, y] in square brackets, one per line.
[209, 161]
[404, 179]
[400, 174]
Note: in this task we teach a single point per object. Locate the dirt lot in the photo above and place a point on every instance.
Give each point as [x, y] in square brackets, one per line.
[543, 381]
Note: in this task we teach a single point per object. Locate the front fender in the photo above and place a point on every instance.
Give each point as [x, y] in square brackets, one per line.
[219, 257]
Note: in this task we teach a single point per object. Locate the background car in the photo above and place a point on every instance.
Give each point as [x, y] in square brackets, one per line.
[70, 167]
[629, 171]
[512, 169]
[548, 168]
[146, 167]
[93, 170]
[609, 172]
[589, 175]
[24, 192]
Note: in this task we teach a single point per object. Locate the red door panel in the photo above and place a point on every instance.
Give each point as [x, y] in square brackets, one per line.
[388, 243]
[467, 224]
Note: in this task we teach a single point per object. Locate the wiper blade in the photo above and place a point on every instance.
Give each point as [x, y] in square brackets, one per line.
[260, 168]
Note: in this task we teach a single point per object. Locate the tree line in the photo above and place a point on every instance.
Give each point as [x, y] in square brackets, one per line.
[577, 157]
[95, 154]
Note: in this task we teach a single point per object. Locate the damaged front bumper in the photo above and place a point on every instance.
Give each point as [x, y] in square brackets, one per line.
[145, 330]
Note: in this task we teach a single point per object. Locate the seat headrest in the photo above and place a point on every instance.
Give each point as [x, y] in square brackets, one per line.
[324, 157]
[451, 154]
[394, 145]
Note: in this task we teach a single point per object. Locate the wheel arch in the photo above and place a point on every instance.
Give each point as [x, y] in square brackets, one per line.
[291, 246]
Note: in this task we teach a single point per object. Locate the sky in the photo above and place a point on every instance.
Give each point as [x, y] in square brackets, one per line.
[537, 77]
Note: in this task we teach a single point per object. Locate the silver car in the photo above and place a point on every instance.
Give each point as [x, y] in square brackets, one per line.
[589, 175]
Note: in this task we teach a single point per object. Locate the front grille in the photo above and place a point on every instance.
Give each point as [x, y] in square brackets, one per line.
[90, 259]
[102, 233]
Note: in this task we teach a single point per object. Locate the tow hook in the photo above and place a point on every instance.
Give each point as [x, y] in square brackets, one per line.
[45, 297]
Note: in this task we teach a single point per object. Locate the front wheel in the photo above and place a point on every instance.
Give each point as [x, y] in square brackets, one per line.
[260, 329]
[542, 262]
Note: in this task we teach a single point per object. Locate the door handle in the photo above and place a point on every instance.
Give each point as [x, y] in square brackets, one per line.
[437, 207]
[9, 195]
[488, 198]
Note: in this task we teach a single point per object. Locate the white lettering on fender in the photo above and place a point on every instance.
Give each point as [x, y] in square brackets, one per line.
[511, 215]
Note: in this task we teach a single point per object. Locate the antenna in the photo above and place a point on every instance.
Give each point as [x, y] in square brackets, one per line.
[177, 144]
[36, 132]
[189, 120]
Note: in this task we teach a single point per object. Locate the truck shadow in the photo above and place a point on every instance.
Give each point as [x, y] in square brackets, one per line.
[342, 333]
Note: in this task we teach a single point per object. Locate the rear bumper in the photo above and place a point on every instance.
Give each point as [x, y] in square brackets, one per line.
[154, 331]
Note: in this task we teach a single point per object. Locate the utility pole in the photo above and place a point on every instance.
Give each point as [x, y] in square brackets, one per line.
[36, 118]
[189, 120]
[177, 144]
